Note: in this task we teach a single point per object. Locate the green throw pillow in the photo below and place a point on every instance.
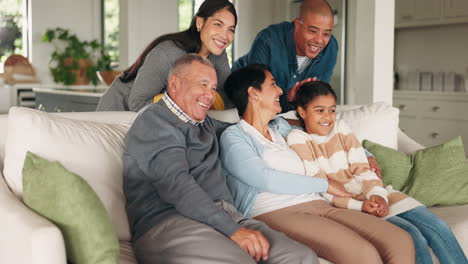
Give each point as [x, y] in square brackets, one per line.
[68, 201]
[435, 175]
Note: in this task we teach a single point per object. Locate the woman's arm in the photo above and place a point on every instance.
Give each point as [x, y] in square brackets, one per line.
[152, 76]
[241, 160]
[223, 70]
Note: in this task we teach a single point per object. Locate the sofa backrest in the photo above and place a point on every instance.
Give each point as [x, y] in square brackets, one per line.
[124, 117]
[3, 134]
[104, 117]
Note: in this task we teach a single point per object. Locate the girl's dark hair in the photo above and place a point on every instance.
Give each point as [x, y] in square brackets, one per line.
[188, 40]
[238, 83]
[308, 91]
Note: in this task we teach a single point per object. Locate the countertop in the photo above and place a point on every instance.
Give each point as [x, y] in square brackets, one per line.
[76, 90]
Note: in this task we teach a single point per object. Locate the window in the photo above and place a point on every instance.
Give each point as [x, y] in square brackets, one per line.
[110, 29]
[187, 9]
[13, 33]
[185, 14]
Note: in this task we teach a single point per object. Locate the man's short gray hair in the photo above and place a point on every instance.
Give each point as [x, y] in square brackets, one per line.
[186, 60]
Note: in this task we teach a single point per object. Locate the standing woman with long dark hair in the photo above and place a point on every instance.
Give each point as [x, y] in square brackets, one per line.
[210, 33]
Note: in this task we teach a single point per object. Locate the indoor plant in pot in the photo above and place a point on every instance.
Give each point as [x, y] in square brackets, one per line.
[74, 61]
[105, 72]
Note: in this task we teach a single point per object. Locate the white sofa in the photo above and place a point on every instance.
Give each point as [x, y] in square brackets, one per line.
[27, 237]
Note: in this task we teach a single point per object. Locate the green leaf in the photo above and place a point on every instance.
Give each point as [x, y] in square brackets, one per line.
[48, 36]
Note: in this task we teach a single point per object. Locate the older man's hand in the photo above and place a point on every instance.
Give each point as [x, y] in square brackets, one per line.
[253, 242]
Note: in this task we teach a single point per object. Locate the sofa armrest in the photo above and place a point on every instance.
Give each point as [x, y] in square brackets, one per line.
[406, 144]
[26, 236]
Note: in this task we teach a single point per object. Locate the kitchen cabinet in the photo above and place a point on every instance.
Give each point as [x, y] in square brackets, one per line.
[68, 100]
[417, 13]
[17, 95]
[455, 8]
[433, 118]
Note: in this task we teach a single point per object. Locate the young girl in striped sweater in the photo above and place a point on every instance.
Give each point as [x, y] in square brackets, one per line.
[329, 150]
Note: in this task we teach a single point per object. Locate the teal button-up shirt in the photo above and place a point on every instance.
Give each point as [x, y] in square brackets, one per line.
[274, 46]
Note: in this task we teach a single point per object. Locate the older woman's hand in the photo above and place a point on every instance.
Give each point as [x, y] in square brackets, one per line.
[337, 189]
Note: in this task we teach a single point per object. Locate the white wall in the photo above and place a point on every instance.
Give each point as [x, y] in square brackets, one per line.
[369, 53]
[435, 49]
[254, 16]
[141, 22]
[370, 43]
[80, 17]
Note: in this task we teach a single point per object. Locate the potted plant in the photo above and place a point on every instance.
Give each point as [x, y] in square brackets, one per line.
[74, 61]
[105, 72]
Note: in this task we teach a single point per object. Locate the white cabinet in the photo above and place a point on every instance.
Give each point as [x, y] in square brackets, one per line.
[432, 118]
[415, 13]
[455, 8]
[416, 10]
[18, 95]
[77, 98]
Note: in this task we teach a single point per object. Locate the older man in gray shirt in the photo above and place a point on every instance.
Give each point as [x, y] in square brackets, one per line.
[179, 207]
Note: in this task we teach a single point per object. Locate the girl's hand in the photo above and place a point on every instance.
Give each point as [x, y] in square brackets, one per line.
[382, 210]
[376, 205]
[370, 207]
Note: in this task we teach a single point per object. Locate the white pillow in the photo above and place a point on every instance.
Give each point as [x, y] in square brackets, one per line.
[229, 115]
[377, 122]
[90, 149]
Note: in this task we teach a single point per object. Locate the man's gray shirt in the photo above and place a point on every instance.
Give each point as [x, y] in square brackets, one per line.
[172, 167]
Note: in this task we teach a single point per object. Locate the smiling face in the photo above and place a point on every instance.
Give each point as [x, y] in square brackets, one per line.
[216, 32]
[193, 89]
[268, 97]
[312, 33]
[319, 115]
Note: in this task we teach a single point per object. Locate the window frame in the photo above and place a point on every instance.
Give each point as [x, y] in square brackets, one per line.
[25, 33]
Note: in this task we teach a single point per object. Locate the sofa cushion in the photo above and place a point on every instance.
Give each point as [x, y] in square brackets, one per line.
[456, 217]
[92, 150]
[395, 166]
[377, 122]
[229, 115]
[436, 175]
[70, 203]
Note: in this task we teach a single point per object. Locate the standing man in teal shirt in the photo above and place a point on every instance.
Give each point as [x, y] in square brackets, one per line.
[297, 51]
